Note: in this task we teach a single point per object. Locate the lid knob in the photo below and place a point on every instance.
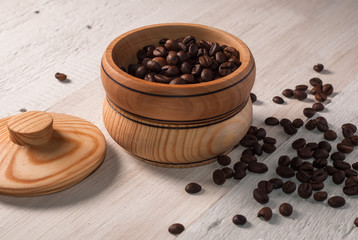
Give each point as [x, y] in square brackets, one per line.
[30, 128]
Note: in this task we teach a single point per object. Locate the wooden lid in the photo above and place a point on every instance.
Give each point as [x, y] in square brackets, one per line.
[42, 153]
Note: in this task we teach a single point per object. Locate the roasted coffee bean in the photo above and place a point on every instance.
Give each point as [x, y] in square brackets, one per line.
[219, 177]
[284, 160]
[288, 187]
[269, 140]
[304, 190]
[188, 78]
[320, 153]
[256, 147]
[160, 60]
[347, 132]
[320, 163]
[169, 70]
[177, 81]
[309, 112]
[171, 45]
[320, 196]
[189, 39]
[145, 61]
[149, 50]
[205, 61]
[265, 213]
[350, 126]
[252, 130]
[239, 174]
[153, 66]
[316, 185]
[330, 135]
[318, 107]
[319, 175]
[350, 189]
[341, 165]
[207, 75]
[192, 188]
[196, 70]
[260, 196]
[162, 78]
[312, 145]
[240, 165]
[235, 60]
[257, 167]
[228, 172]
[327, 89]
[285, 209]
[268, 148]
[318, 67]
[193, 50]
[336, 201]
[176, 228]
[355, 165]
[278, 100]
[304, 152]
[347, 141]
[315, 82]
[325, 145]
[344, 148]
[141, 54]
[297, 123]
[141, 72]
[226, 68]
[231, 52]
[356, 222]
[298, 143]
[215, 47]
[253, 97]
[316, 90]
[266, 186]
[301, 87]
[172, 58]
[132, 68]
[338, 156]
[350, 172]
[354, 140]
[320, 97]
[183, 57]
[307, 167]
[220, 57]
[290, 129]
[299, 95]
[351, 180]
[285, 171]
[61, 76]
[302, 176]
[260, 133]
[287, 93]
[248, 140]
[204, 44]
[311, 124]
[276, 183]
[271, 121]
[330, 169]
[285, 122]
[163, 41]
[248, 151]
[322, 127]
[338, 177]
[159, 52]
[239, 220]
[223, 160]
[296, 163]
[185, 68]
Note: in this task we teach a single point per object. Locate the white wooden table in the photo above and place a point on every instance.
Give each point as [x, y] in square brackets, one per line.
[128, 199]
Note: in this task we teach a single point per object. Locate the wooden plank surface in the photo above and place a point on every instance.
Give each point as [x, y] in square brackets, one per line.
[128, 199]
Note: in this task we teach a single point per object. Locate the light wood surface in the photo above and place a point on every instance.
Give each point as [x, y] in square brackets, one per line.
[42, 153]
[129, 199]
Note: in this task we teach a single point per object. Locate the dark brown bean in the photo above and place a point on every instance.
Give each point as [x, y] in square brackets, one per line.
[319, 175]
[285, 122]
[288, 187]
[327, 89]
[297, 123]
[257, 167]
[316, 90]
[330, 169]
[306, 166]
[355, 165]
[299, 95]
[330, 135]
[298, 143]
[253, 97]
[205, 61]
[240, 165]
[341, 165]
[278, 100]
[271, 121]
[177, 81]
[318, 67]
[284, 160]
[285, 209]
[285, 171]
[312, 145]
[316, 185]
[304, 190]
[248, 159]
[347, 132]
[269, 140]
[318, 107]
[338, 177]
[256, 147]
[304, 152]
[322, 127]
[229, 173]
[336, 201]
[320, 196]
[169, 70]
[296, 163]
[207, 75]
[61, 76]
[171, 45]
[215, 47]
[176, 228]
[354, 140]
[350, 172]
[325, 145]
[303, 176]
[320, 163]
[219, 177]
[248, 140]
[141, 72]
[268, 148]
[350, 189]
[223, 160]
[248, 151]
[226, 68]
[338, 156]
[239, 174]
[220, 57]
[260, 133]
[309, 112]
[350, 126]
[347, 141]
[260, 196]
[290, 129]
[239, 220]
[320, 97]
[276, 183]
[311, 124]
[320, 153]
[266, 186]
[315, 82]
[287, 93]
[265, 213]
[356, 222]
[344, 148]
[192, 188]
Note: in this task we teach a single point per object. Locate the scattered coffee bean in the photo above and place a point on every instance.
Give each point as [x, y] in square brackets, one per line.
[316, 185]
[268, 148]
[350, 126]
[260, 133]
[248, 159]
[304, 152]
[320, 153]
[350, 172]
[352, 180]
[257, 167]
[290, 129]
[318, 107]
[23, 110]
[347, 141]
[285, 209]
[285, 122]
[316, 82]
[325, 145]
[248, 151]
[327, 89]
[312, 146]
[356, 222]
[297, 123]
[306, 166]
[330, 135]
[224, 160]
[192, 188]
[276, 183]
[298, 143]
[320, 196]
[347, 132]
[304, 190]
[301, 87]
[265, 213]
[253, 97]
[219, 177]
[296, 163]
[285, 171]
[338, 156]
[284, 160]
[256, 147]
[248, 140]
[61, 76]
[319, 175]
[239, 174]
[269, 140]
[309, 112]
[287, 93]
[320, 163]
[330, 169]
[271, 121]
[345, 148]
[318, 67]
[354, 140]
[303, 176]
[278, 100]
[239, 219]
[266, 186]
[176, 228]
[299, 95]
[322, 127]
[336, 201]
[320, 97]
[229, 173]
[341, 165]
[240, 165]
[350, 189]
[260, 196]
[355, 165]
[288, 187]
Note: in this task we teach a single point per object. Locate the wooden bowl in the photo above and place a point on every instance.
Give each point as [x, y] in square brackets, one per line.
[175, 125]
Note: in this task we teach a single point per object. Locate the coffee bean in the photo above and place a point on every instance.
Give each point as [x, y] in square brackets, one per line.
[260, 133]
[309, 112]
[327, 89]
[271, 121]
[307, 167]
[324, 145]
[354, 140]
[239, 174]
[344, 148]
[149, 49]
[330, 135]
[160, 60]
[177, 81]
[296, 163]
[265, 213]
[205, 61]
[350, 126]
[141, 72]
[352, 180]
[239, 220]
[226, 68]
[219, 177]
[231, 52]
[330, 169]
[316, 82]
[189, 39]
[298, 143]
[316, 185]
[304, 190]
[302, 176]
[268, 148]
[316, 90]
[240, 165]
[192, 188]
[285, 122]
[311, 124]
[312, 146]
[347, 141]
[256, 147]
[260, 196]
[220, 57]
[141, 54]
[207, 75]
[154, 66]
[248, 140]
[285, 209]
[355, 165]
[319, 175]
[276, 183]
[320, 153]
[347, 132]
[290, 129]
[320, 97]
[248, 151]
[297, 123]
[322, 127]
[304, 152]
[185, 68]
[269, 140]
[318, 67]
[188, 78]
[169, 70]
[338, 156]
[341, 165]
[336, 201]
[284, 160]
[301, 87]
[351, 189]
[223, 160]
[320, 163]
[252, 130]
[350, 172]
[228, 172]
[253, 97]
[318, 107]
[278, 100]
[163, 41]
[265, 186]
[338, 177]
[215, 47]
[162, 78]
[61, 76]
[257, 167]
[287, 93]
[356, 222]
[176, 228]
[299, 95]
[320, 196]
[288, 187]
[171, 45]
[285, 171]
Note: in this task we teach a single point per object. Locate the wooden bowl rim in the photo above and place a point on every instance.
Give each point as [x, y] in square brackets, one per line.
[244, 51]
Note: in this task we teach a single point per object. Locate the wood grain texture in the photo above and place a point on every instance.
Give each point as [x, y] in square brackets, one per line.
[42, 153]
[128, 199]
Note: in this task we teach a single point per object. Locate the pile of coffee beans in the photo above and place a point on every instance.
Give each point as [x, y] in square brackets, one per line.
[184, 61]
